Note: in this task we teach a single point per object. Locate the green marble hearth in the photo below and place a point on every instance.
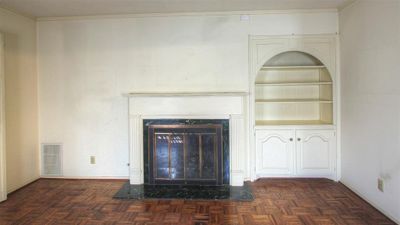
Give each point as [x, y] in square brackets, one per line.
[187, 192]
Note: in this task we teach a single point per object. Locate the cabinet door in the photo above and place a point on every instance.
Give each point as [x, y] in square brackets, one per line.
[316, 153]
[275, 152]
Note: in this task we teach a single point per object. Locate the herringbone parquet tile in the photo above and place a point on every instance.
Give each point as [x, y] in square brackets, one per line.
[277, 201]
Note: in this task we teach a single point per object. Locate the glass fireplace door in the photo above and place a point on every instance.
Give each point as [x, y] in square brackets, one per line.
[186, 154]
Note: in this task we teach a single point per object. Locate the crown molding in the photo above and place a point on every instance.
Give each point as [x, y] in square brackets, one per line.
[218, 13]
[347, 4]
[13, 12]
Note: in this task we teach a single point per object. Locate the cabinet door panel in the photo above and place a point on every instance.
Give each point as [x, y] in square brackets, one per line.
[316, 154]
[275, 152]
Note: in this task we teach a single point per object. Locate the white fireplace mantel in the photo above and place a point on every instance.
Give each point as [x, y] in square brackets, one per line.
[189, 105]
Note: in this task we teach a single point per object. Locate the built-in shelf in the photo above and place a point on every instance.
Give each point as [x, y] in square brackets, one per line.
[291, 122]
[291, 67]
[294, 83]
[293, 89]
[293, 101]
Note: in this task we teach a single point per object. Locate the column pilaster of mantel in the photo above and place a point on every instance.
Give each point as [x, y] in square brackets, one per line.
[237, 143]
[136, 150]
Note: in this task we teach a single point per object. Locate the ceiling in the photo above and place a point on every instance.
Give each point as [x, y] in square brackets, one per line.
[63, 8]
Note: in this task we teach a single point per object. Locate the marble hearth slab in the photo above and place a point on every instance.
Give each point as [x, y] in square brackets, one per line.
[187, 192]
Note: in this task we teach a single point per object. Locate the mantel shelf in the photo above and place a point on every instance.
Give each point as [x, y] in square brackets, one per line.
[183, 94]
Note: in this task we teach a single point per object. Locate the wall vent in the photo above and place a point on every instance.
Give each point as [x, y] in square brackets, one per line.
[51, 160]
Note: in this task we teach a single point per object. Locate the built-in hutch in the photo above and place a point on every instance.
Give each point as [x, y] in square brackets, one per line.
[292, 111]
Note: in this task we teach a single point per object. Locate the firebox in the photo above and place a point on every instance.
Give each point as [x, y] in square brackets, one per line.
[186, 152]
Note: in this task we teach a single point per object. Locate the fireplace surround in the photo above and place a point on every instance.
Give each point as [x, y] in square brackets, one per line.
[229, 106]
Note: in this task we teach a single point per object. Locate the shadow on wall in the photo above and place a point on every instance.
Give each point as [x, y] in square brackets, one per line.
[22, 156]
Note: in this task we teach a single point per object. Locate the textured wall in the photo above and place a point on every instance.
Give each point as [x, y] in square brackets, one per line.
[370, 44]
[21, 99]
[85, 66]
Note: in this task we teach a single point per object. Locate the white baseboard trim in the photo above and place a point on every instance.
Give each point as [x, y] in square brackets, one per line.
[371, 203]
[237, 178]
[3, 196]
[22, 185]
[88, 177]
[136, 176]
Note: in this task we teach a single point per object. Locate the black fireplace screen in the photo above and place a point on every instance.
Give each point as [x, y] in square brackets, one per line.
[185, 154]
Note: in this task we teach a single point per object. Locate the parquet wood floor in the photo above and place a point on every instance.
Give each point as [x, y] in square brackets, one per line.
[277, 201]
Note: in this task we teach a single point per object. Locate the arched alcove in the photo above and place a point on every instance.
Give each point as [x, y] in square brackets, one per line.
[293, 88]
[293, 58]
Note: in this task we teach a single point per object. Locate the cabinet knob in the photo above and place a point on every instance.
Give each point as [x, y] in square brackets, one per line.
[299, 139]
[290, 139]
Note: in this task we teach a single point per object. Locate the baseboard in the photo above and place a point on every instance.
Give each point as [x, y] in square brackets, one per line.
[371, 203]
[88, 177]
[22, 186]
[3, 196]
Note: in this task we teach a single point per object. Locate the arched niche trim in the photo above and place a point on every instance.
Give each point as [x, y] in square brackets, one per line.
[310, 51]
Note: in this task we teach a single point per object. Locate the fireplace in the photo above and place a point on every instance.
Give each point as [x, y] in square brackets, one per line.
[192, 151]
[189, 108]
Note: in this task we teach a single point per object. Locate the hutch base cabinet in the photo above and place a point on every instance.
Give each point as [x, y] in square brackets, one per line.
[296, 153]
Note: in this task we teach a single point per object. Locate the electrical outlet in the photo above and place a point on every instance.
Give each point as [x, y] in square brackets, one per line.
[92, 159]
[244, 17]
[380, 184]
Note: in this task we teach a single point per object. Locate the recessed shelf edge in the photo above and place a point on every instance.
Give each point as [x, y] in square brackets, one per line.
[294, 83]
[293, 101]
[291, 67]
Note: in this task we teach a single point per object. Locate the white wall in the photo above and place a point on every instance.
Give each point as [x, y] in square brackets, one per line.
[22, 154]
[86, 64]
[370, 46]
